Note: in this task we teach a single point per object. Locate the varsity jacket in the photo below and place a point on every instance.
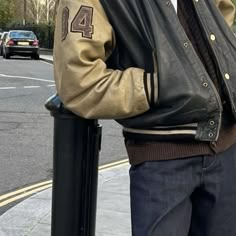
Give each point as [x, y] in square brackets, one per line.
[131, 60]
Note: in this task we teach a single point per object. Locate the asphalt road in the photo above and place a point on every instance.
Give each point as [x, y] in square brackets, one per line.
[26, 128]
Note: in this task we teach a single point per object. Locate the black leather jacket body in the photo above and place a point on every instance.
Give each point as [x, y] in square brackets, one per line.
[150, 36]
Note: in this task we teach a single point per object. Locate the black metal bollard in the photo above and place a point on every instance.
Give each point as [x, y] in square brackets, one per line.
[75, 163]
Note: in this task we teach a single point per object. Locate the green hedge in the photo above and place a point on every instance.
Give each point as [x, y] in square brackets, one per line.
[44, 33]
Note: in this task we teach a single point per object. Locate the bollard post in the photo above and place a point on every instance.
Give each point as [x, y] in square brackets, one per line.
[75, 171]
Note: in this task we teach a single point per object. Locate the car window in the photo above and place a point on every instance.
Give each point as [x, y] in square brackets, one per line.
[22, 34]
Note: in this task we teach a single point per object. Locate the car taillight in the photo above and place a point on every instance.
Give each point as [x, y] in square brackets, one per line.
[10, 42]
[36, 43]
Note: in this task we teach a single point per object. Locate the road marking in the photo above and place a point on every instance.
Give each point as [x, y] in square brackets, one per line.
[26, 87]
[11, 197]
[20, 196]
[31, 87]
[113, 164]
[7, 87]
[25, 77]
[22, 190]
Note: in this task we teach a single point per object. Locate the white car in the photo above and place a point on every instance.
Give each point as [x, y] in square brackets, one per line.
[2, 37]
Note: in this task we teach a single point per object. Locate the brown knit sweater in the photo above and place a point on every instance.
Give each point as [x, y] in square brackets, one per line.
[139, 151]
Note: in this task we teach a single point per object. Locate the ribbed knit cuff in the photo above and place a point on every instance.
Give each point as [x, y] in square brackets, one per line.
[151, 88]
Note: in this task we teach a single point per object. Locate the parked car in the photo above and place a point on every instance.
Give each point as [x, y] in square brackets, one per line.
[21, 42]
[3, 36]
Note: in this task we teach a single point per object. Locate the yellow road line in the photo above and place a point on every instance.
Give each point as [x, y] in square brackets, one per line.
[113, 164]
[13, 199]
[24, 189]
[24, 192]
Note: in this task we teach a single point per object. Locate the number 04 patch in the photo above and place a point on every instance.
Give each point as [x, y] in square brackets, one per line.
[82, 22]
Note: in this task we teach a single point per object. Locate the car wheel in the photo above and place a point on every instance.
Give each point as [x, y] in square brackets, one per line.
[7, 55]
[35, 56]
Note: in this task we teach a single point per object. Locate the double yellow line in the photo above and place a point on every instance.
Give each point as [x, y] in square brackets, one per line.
[11, 197]
[113, 165]
[24, 192]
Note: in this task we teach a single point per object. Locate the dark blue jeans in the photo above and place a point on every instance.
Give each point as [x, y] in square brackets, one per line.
[186, 197]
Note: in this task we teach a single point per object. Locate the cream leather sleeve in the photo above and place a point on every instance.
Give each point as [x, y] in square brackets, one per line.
[83, 41]
[227, 9]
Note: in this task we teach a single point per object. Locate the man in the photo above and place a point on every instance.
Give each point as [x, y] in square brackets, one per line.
[166, 71]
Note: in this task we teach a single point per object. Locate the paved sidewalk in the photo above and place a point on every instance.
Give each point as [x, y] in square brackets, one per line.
[32, 217]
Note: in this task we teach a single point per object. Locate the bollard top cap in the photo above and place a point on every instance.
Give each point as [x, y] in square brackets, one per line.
[57, 109]
[55, 105]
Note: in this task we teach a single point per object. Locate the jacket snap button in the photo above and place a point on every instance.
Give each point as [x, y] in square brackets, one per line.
[168, 3]
[205, 84]
[227, 76]
[211, 135]
[212, 37]
[212, 122]
[185, 44]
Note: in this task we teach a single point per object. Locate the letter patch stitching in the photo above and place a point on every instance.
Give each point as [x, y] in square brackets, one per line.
[82, 22]
[64, 25]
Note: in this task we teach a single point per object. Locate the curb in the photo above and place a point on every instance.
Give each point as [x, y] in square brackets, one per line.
[46, 60]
